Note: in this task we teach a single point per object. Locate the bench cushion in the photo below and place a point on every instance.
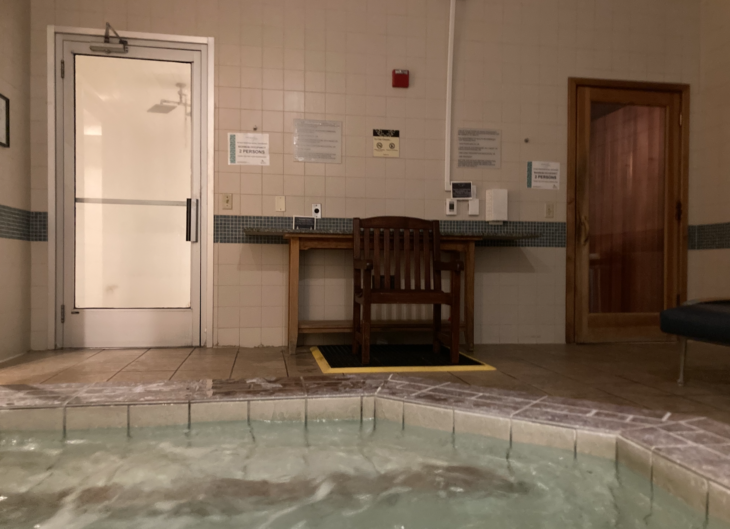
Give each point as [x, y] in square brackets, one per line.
[702, 321]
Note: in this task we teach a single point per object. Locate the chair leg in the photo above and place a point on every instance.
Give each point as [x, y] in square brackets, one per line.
[436, 328]
[366, 334]
[682, 358]
[356, 327]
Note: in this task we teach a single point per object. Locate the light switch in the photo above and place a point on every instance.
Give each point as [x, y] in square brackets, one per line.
[451, 206]
[550, 210]
[280, 203]
[227, 201]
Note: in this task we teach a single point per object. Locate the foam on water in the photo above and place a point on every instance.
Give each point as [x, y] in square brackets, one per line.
[327, 475]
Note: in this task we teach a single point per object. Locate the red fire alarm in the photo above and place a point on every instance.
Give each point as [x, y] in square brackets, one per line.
[400, 78]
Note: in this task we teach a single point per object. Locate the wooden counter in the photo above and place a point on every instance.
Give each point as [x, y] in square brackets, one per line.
[302, 241]
[299, 242]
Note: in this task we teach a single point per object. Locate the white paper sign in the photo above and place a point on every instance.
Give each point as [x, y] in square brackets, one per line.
[317, 141]
[248, 148]
[543, 175]
[480, 148]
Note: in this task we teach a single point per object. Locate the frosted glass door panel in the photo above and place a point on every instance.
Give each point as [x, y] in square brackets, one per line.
[133, 129]
[131, 256]
[133, 174]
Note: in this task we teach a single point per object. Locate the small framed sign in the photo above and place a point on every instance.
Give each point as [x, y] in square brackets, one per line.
[303, 223]
[386, 143]
[4, 121]
[461, 190]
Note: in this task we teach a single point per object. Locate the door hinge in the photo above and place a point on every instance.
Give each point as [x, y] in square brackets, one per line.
[63, 313]
[63, 69]
[678, 214]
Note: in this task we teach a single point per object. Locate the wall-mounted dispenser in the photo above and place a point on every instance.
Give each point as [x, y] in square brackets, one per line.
[495, 205]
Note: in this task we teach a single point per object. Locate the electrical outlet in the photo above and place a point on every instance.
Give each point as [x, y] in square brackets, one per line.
[280, 204]
[227, 201]
[550, 210]
[317, 211]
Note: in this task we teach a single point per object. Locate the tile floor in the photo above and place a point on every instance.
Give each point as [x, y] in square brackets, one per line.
[632, 374]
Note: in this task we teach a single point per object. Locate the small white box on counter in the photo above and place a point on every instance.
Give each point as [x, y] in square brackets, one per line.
[495, 205]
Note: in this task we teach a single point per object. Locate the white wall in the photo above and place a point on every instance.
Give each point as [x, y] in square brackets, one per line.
[709, 189]
[15, 176]
[284, 59]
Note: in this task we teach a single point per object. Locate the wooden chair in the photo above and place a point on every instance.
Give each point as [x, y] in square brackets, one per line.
[398, 261]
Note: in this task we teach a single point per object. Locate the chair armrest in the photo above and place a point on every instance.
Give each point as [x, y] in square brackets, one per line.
[363, 264]
[453, 266]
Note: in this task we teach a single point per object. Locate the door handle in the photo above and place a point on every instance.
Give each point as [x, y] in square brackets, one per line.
[191, 220]
[586, 230]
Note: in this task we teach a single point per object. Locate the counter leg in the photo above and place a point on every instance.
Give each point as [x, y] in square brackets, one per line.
[293, 320]
[469, 267]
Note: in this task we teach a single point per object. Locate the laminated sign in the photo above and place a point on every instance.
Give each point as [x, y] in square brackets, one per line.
[317, 141]
[386, 143]
[247, 148]
[543, 175]
[480, 148]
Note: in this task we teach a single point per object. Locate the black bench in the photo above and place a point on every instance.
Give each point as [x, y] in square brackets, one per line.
[703, 321]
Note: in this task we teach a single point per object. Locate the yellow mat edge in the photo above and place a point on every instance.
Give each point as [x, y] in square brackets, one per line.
[325, 367]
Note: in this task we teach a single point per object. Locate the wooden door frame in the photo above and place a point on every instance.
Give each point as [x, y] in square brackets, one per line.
[574, 83]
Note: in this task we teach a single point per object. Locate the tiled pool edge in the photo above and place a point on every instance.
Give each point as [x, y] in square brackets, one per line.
[685, 455]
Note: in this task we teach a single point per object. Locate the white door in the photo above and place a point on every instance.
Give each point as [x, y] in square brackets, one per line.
[131, 196]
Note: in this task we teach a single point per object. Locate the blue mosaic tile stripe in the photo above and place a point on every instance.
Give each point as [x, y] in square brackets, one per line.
[230, 229]
[23, 225]
[33, 226]
[709, 236]
[38, 226]
[549, 234]
[14, 223]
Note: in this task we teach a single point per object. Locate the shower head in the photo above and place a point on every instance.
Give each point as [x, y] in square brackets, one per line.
[164, 107]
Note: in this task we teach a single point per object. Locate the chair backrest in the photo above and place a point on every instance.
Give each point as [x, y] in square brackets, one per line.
[403, 250]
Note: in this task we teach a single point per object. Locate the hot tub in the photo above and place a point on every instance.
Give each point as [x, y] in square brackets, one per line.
[349, 451]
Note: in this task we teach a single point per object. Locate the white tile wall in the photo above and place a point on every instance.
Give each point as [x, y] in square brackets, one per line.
[15, 297]
[709, 187]
[278, 60]
[15, 176]
[711, 155]
[14, 84]
[708, 277]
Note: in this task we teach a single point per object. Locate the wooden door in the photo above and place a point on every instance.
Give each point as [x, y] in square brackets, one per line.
[627, 230]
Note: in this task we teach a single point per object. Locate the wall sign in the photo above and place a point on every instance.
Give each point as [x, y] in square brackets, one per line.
[543, 175]
[480, 148]
[386, 143]
[317, 141]
[248, 148]
[4, 121]
[303, 223]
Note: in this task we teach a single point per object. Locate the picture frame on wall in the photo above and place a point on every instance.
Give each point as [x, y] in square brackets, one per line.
[4, 121]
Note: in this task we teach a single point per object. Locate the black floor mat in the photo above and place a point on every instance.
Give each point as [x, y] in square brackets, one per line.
[392, 355]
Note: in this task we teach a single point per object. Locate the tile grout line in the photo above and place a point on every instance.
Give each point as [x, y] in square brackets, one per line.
[69, 367]
[235, 361]
[286, 366]
[85, 359]
[181, 363]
